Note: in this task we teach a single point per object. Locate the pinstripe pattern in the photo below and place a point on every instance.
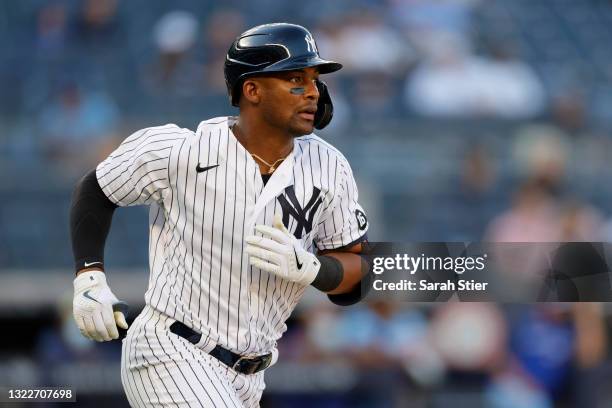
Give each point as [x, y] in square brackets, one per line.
[199, 273]
[160, 369]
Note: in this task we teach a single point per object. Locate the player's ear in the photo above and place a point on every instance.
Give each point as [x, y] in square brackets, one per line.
[251, 90]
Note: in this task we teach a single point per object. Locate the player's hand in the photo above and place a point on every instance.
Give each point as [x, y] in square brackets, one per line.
[280, 253]
[96, 310]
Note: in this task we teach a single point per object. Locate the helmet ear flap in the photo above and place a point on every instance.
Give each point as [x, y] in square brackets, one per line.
[235, 93]
[325, 107]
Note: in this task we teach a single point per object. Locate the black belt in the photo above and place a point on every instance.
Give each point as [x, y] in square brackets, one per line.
[244, 365]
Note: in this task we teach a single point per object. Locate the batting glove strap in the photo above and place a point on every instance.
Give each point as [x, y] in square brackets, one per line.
[93, 307]
[277, 251]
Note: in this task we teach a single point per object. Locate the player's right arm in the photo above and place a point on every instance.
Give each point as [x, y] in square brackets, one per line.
[136, 173]
[90, 219]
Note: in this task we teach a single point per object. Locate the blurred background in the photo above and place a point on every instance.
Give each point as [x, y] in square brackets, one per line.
[464, 120]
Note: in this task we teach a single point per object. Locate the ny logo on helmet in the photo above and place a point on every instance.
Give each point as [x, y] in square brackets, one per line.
[303, 216]
[310, 42]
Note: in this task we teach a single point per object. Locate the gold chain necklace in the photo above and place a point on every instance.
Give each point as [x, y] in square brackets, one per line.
[271, 167]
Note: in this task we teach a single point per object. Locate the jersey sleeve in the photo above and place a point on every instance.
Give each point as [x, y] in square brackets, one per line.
[137, 172]
[344, 223]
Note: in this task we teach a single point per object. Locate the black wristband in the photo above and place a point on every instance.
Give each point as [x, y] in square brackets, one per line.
[330, 274]
[359, 292]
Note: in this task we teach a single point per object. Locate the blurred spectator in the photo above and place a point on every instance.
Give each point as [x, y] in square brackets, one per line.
[379, 339]
[174, 35]
[515, 90]
[78, 128]
[539, 217]
[533, 217]
[175, 70]
[569, 337]
[569, 111]
[98, 24]
[364, 42]
[541, 153]
[469, 336]
[51, 30]
[478, 173]
[446, 82]
[454, 83]
[470, 339]
[373, 334]
[592, 340]
[550, 347]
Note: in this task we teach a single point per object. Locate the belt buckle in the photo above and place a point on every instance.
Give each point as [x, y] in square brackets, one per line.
[244, 369]
[254, 365]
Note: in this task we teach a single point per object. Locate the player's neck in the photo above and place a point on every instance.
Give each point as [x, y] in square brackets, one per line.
[268, 143]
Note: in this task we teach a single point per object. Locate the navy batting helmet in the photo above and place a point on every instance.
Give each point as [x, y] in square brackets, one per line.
[275, 48]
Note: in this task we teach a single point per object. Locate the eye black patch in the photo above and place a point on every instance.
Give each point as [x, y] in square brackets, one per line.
[297, 91]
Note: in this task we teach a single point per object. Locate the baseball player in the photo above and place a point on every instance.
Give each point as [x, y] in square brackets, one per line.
[245, 213]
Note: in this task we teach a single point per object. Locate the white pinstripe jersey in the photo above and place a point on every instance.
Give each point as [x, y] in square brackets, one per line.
[199, 217]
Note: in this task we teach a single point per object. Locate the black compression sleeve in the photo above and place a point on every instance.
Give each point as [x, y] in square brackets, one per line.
[91, 213]
[330, 274]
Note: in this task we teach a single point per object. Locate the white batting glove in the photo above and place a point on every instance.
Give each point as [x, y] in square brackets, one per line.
[280, 253]
[96, 310]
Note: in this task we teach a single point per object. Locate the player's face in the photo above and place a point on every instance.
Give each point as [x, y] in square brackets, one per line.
[290, 100]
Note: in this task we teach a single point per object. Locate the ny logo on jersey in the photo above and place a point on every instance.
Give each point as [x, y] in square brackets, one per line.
[304, 216]
[310, 43]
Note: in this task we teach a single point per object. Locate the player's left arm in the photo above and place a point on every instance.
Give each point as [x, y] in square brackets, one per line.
[277, 251]
[339, 268]
[340, 272]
